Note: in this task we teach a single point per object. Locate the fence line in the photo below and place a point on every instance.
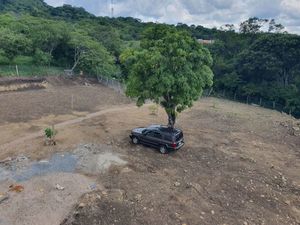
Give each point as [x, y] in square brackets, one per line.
[112, 83]
[29, 70]
[251, 100]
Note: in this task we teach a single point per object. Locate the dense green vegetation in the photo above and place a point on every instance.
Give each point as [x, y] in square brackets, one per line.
[260, 62]
[259, 67]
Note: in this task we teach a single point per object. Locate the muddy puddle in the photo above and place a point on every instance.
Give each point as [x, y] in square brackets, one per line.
[88, 159]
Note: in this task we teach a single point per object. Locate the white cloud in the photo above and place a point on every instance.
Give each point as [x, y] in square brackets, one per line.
[55, 2]
[208, 13]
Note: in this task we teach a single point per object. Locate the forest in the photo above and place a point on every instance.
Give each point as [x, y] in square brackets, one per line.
[255, 62]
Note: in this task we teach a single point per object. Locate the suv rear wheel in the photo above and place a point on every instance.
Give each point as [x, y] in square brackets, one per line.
[135, 140]
[162, 150]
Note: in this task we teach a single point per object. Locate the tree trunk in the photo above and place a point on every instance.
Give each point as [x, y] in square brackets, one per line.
[50, 53]
[210, 91]
[285, 77]
[171, 118]
[77, 58]
[260, 101]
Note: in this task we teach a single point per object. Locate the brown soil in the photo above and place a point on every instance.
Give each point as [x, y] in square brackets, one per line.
[20, 84]
[239, 164]
[56, 99]
[20, 80]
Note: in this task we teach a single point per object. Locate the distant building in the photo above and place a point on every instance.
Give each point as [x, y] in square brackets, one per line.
[206, 42]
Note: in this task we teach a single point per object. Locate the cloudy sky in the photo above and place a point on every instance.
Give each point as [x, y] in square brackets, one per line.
[209, 13]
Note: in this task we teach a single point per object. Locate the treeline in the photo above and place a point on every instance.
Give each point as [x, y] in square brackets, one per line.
[90, 45]
[259, 61]
[259, 65]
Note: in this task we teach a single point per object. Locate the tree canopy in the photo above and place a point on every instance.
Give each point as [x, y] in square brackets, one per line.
[170, 68]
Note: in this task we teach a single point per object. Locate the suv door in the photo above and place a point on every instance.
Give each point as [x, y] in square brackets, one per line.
[153, 138]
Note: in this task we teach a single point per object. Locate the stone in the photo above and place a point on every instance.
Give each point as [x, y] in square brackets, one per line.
[22, 158]
[138, 197]
[8, 159]
[296, 128]
[59, 187]
[284, 124]
[176, 184]
[81, 205]
[98, 197]
[3, 198]
[287, 202]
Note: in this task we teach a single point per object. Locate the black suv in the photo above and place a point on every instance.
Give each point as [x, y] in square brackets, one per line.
[158, 136]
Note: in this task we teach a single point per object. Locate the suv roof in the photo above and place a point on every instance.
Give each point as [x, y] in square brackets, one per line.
[164, 129]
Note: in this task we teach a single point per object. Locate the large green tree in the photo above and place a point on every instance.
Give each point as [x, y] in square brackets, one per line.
[90, 56]
[171, 68]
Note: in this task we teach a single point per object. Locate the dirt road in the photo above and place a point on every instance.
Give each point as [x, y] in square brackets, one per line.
[34, 135]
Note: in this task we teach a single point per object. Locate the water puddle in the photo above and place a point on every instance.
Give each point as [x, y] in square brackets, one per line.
[57, 163]
[91, 159]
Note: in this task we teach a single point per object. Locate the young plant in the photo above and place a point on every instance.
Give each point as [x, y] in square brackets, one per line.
[153, 109]
[50, 134]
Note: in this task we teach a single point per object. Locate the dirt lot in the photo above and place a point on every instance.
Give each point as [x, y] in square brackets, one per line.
[240, 164]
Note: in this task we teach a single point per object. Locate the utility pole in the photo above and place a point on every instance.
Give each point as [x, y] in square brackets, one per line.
[112, 8]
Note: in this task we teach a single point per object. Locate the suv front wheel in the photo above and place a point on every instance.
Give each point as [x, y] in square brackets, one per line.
[135, 140]
[162, 149]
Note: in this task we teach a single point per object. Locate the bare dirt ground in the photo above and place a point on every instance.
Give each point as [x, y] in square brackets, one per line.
[239, 164]
[56, 99]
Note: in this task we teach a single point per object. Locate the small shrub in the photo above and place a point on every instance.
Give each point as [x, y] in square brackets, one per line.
[50, 134]
[3, 58]
[214, 106]
[41, 58]
[22, 60]
[153, 109]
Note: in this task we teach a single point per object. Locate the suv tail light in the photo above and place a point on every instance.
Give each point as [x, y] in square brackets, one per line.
[173, 145]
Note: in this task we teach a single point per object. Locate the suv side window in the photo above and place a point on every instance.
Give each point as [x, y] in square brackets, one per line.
[150, 133]
[154, 134]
